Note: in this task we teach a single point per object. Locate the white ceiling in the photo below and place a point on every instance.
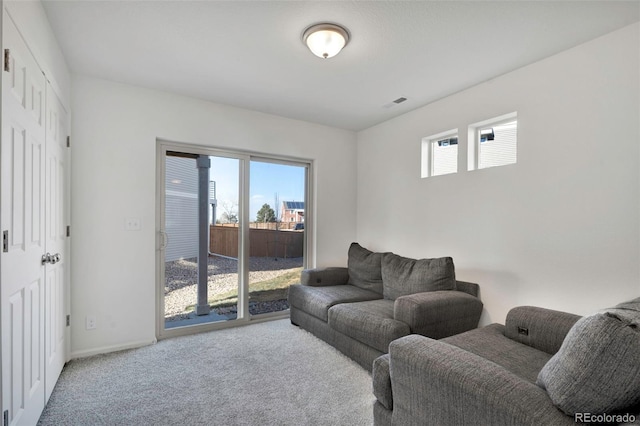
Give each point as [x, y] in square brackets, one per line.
[249, 54]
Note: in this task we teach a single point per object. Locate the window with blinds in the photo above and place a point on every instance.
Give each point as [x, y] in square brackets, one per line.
[440, 154]
[445, 156]
[497, 145]
[495, 142]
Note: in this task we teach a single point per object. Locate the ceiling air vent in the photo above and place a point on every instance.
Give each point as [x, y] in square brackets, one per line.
[395, 102]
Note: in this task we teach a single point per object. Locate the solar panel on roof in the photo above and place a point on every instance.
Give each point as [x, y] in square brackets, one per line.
[294, 205]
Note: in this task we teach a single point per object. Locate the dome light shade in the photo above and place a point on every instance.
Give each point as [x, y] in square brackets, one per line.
[325, 40]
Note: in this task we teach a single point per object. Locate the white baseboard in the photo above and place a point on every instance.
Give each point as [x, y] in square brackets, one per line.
[114, 348]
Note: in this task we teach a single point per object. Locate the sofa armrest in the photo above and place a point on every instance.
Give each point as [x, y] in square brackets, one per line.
[437, 383]
[382, 381]
[467, 287]
[540, 328]
[438, 314]
[319, 277]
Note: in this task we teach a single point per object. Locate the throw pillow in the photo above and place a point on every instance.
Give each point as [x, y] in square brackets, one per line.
[364, 268]
[402, 276]
[597, 369]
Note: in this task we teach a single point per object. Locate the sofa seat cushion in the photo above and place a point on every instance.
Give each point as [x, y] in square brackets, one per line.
[368, 322]
[597, 369]
[316, 301]
[490, 343]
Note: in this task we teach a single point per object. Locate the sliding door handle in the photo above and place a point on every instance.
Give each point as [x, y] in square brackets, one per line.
[164, 240]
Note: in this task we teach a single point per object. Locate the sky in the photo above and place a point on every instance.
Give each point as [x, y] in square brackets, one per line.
[266, 180]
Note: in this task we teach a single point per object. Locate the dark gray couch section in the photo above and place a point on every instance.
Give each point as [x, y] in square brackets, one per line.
[371, 322]
[346, 307]
[438, 314]
[317, 300]
[486, 376]
[491, 344]
[359, 352]
[436, 383]
[540, 328]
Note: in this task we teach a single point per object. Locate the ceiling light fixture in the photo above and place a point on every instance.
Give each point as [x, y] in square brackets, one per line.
[325, 40]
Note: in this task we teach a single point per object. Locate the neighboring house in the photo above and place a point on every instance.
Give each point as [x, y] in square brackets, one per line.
[293, 211]
[181, 209]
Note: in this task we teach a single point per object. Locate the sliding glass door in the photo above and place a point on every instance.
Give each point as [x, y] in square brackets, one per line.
[201, 247]
[232, 236]
[276, 234]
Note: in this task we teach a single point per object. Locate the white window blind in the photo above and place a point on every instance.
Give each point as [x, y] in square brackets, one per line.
[497, 145]
[444, 156]
[440, 154]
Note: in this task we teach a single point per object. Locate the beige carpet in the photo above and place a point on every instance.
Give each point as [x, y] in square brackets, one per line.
[270, 373]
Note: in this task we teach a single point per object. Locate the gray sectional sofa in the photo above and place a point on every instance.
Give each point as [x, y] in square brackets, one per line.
[380, 297]
[542, 367]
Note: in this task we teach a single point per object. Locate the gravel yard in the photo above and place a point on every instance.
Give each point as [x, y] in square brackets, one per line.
[181, 277]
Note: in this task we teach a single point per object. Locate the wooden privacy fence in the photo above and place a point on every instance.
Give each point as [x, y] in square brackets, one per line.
[264, 225]
[262, 242]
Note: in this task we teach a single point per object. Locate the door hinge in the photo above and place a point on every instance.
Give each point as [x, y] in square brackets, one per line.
[5, 241]
[68, 320]
[68, 231]
[68, 141]
[5, 416]
[7, 59]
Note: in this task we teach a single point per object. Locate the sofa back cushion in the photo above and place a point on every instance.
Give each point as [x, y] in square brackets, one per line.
[402, 276]
[364, 267]
[597, 369]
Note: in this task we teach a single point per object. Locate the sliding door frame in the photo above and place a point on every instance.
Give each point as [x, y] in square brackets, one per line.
[245, 158]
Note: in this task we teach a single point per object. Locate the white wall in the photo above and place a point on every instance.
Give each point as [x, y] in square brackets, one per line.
[114, 176]
[559, 229]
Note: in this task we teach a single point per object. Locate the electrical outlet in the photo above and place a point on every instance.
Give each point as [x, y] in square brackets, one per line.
[91, 322]
[132, 223]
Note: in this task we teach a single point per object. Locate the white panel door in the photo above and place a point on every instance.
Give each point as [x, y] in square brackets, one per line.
[22, 195]
[56, 211]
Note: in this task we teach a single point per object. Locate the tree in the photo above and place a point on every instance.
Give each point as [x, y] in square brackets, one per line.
[230, 214]
[266, 214]
[228, 218]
